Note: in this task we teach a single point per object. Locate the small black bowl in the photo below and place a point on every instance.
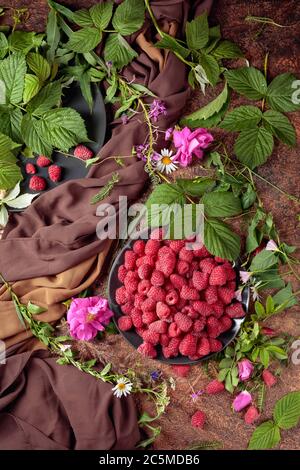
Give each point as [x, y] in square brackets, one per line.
[135, 340]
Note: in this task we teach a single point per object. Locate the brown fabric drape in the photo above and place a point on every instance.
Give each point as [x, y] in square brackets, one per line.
[50, 252]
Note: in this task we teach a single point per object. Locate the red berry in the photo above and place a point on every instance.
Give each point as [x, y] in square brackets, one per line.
[157, 234]
[37, 183]
[150, 336]
[159, 326]
[235, 310]
[164, 339]
[199, 325]
[137, 320]
[177, 281]
[203, 308]
[139, 299]
[181, 370]
[214, 387]
[225, 295]
[122, 271]
[147, 350]
[182, 267]
[122, 296]
[162, 310]
[125, 323]
[130, 259]
[183, 321]
[174, 330]
[189, 293]
[186, 255]
[198, 419]
[157, 293]
[226, 323]
[172, 297]
[144, 286]
[251, 415]
[268, 378]
[213, 327]
[200, 280]
[139, 247]
[83, 152]
[54, 172]
[166, 261]
[149, 317]
[152, 247]
[148, 305]
[203, 348]
[211, 295]
[218, 276]
[172, 349]
[202, 252]
[230, 272]
[218, 308]
[207, 265]
[30, 169]
[43, 161]
[144, 271]
[215, 345]
[190, 312]
[188, 345]
[157, 278]
[176, 245]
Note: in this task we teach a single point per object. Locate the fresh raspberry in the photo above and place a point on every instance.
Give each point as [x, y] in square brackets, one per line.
[189, 311]
[176, 245]
[30, 169]
[148, 305]
[183, 321]
[268, 378]
[139, 299]
[203, 348]
[149, 317]
[137, 319]
[188, 293]
[207, 265]
[198, 325]
[182, 267]
[174, 330]
[164, 339]
[122, 271]
[151, 337]
[172, 297]
[186, 255]
[147, 350]
[166, 261]
[202, 252]
[127, 308]
[144, 286]
[139, 262]
[220, 260]
[231, 285]
[168, 286]
[122, 295]
[268, 331]
[214, 387]
[218, 276]
[125, 323]
[157, 293]
[235, 310]
[158, 233]
[177, 281]
[213, 327]
[162, 310]
[144, 271]
[226, 323]
[131, 281]
[149, 259]
[215, 345]
[181, 304]
[159, 326]
[198, 419]
[83, 152]
[181, 370]
[172, 349]
[37, 183]
[140, 331]
[230, 272]
[211, 295]
[188, 345]
[225, 295]
[251, 415]
[157, 278]
[200, 280]
[43, 161]
[54, 173]
[218, 309]
[139, 247]
[203, 308]
[152, 247]
[130, 259]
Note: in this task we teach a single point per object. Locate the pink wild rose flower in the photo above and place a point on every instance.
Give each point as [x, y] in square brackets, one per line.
[87, 316]
[190, 143]
[245, 369]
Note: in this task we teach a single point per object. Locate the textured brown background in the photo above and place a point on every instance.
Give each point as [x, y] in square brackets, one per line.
[282, 169]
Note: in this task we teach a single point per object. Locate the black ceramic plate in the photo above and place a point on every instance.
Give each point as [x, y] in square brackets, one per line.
[95, 121]
[135, 340]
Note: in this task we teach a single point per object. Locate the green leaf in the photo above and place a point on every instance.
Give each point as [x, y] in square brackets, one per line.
[61, 9]
[84, 40]
[254, 146]
[129, 16]
[39, 65]
[85, 87]
[21, 41]
[35, 309]
[270, 279]
[226, 363]
[118, 51]
[279, 93]
[227, 50]
[211, 68]
[62, 128]
[269, 305]
[10, 173]
[31, 87]
[249, 197]
[53, 34]
[12, 73]
[223, 374]
[241, 118]
[265, 436]
[83, 18]
[170, 43]
[164, 200]
[10, 123]
[208, 123]
[3, 45]
[264, 357]
[219, 204]
[287, 411]
[197, 32]
[195, 187]
[33, 136]
[280, 126]
[259, 309]
[277, 352]
[220, 240]
[263, 261]
[285, 297]
[254, 236]
[247, 81]
[101, 14]
[211, 108]
[48, 97]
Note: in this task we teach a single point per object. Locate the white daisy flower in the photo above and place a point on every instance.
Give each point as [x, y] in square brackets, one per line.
[165, 162]
[123, 387]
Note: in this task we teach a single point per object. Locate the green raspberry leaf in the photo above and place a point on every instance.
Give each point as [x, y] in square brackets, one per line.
[280, 93]
[197, 32]
[247, 81]
[280, 126]
[265, 436]
[12, 73]
[254, 146]
[84, 40]
[129, 17]
[242, 118]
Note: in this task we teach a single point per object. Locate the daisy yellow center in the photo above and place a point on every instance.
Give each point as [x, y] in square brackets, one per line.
[90, 317]
[121, 386]
[166, 160]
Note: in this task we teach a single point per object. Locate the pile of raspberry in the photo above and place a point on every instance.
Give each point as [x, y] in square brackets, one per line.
[176, 298]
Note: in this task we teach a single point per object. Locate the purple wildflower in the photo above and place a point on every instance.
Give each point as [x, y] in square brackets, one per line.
[124, 119]
[169, 133]
[155, 375]
[157, 109]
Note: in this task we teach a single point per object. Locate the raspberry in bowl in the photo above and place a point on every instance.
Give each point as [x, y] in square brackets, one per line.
[174, 304]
